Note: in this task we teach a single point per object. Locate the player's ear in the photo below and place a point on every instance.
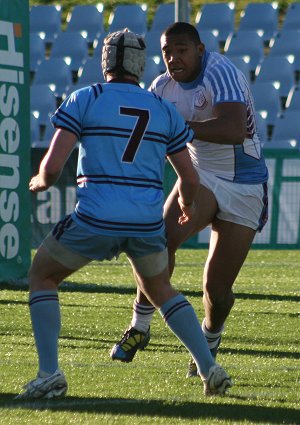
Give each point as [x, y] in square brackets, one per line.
[201, 49]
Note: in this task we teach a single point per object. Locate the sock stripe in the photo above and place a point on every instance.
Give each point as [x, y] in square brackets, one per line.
[143, 311]
[210, 339]
[175, 308]
[144, 307]
[144, 314]
[42, 298]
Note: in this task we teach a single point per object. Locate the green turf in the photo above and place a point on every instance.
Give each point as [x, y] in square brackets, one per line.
[260, 350]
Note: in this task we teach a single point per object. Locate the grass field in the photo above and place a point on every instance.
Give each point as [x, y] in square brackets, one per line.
[260, 350]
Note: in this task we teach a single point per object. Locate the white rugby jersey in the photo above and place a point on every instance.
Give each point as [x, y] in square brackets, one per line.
[219, 81]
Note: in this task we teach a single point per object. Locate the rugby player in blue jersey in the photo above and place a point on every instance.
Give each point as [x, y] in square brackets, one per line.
[124, 134]
[215, 98]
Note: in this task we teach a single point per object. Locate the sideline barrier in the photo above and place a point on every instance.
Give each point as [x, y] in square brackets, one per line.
[281, 231]
[15, 247]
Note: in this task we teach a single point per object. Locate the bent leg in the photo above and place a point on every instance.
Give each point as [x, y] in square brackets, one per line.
[228, 249]
[206, 209]
[180, 316]
[46, 273]
[157, 288]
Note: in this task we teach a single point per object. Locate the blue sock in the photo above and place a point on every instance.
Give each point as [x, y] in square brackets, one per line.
[181, 318]
[45, 319]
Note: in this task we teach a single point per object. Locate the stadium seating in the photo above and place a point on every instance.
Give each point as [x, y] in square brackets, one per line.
[46, 19]
[278, 70]
[47, 136]
[262, 128]
[241, 63]
[55, 72]
[210, 40]
[97, 45]
[292, 17]
[152, 69]
[43, 102]
[247, 44]
[266, 100]
[287, 130]
[70, 45]
[132, 16]
[261, 17]
[164, 16]
[281, 144]
[34, 130]
[37, 50]
[287, 43]
[86, 18]
[216, 17]
[89, 73]
[215, 23]
[152, 41]
[293, 99]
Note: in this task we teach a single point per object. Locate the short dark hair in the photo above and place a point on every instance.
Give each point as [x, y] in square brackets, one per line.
[180, 28]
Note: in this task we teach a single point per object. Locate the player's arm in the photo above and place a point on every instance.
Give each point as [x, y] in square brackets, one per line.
[228, 125]
[188, 183]
[53, 162]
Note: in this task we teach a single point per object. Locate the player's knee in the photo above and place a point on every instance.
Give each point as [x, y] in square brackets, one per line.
[39, 282]
[172, 247]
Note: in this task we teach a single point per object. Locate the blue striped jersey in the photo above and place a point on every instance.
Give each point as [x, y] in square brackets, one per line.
[219, 81]
[124, 133]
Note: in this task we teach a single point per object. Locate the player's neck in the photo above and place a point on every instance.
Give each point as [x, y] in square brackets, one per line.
[126, 80]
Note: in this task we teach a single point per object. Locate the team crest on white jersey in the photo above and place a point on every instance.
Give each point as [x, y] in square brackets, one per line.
[200, 101]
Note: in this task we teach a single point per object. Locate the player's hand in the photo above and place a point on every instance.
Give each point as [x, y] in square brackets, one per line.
[187, 212]
[36, 185]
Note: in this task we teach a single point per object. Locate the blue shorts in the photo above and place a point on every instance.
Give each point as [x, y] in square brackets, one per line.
[74, 246]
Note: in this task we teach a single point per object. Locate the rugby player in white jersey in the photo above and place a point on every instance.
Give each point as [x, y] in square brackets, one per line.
[124, 134]
[214, 97]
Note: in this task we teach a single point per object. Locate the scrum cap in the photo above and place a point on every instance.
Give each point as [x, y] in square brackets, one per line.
[124, 51]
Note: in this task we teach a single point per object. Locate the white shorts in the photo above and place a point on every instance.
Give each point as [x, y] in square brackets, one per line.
[245, 204]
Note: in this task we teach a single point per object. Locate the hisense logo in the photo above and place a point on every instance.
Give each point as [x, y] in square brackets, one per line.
[11, 75]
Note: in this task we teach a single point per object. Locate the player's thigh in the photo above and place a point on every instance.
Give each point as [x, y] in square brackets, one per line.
[152, 275]
[149, 265]
[61, 255]
[206, 209]
[46, 272]
[228, 249]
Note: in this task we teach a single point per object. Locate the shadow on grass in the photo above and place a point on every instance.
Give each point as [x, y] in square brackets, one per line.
[8, 302]
[161, 408]
[100, 343]
[229, 351]
[131, 290]
[260, 353]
